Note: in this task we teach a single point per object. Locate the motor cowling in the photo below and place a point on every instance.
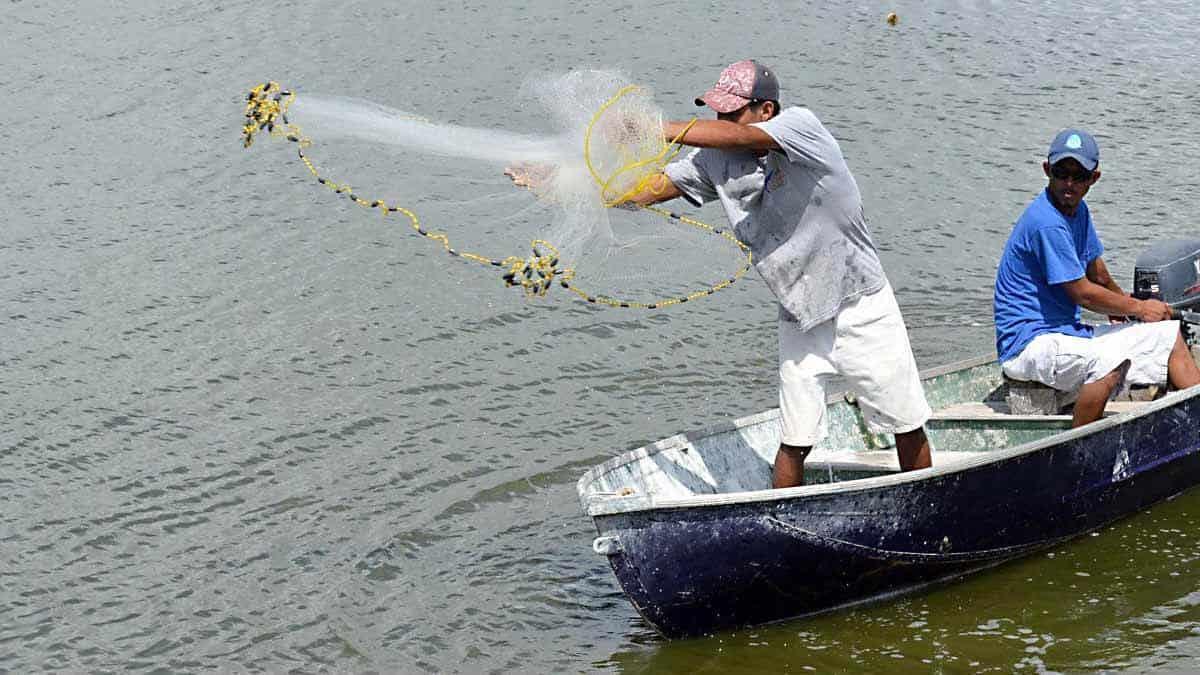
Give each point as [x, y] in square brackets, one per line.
[1170, 271]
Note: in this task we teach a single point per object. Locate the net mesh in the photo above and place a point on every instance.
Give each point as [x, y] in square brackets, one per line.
[605, 143]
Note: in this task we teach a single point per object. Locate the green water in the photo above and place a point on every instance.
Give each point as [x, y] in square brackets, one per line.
[1123, 598]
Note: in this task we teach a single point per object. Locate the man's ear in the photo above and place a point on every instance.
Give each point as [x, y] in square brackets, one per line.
[1046, 168]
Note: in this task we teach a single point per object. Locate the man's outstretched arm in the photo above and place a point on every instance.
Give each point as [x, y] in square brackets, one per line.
[657, 188]
[720, 134]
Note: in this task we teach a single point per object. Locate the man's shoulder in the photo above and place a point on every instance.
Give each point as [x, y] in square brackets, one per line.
[796, 127]
[1033, 220]
[797, 110]
[795, 115]
[1040, 213]
[1085, 214]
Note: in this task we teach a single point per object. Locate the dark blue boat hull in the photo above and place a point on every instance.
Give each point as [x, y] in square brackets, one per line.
[695, 570]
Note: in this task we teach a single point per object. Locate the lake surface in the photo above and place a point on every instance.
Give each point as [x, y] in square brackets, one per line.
[248, 427]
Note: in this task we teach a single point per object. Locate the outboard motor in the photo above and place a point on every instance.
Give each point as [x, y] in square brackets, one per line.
[1170, 271]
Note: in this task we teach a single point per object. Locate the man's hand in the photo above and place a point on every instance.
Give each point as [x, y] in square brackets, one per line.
[1153, 310]
[532, 176]
[654, 189]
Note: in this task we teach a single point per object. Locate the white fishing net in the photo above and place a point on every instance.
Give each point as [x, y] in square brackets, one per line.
[604, 142]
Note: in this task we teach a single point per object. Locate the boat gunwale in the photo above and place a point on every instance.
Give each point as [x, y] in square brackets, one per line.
[606, 504]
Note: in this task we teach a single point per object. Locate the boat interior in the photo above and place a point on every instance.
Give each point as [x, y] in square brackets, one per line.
[976, 410]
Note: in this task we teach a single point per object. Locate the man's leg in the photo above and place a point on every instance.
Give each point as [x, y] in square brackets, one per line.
[789, 466]
[1093, 396]
[875, 357]
[1181, 367]
[913, 450]
[803, 368]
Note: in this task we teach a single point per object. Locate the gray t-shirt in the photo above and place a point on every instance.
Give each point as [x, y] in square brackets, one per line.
[798, 209]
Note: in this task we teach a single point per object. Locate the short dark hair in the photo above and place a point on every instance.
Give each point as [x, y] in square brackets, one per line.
[758, 103]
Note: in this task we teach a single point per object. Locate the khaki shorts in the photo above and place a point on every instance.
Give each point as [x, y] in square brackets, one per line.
[867, 345]
[1067, 362]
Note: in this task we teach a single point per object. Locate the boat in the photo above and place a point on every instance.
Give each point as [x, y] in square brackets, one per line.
[700, 543]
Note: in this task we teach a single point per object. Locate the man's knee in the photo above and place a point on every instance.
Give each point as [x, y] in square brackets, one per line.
[1114, 376]
[1109, 382]
[1180, 346]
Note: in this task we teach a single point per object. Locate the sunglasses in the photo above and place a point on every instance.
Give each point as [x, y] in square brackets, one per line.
[1062, 173]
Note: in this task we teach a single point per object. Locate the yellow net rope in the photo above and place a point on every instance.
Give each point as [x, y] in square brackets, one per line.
[266, 110]
[641, 174]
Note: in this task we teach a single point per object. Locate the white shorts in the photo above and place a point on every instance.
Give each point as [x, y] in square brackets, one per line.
[867, 344]
[1067, 362]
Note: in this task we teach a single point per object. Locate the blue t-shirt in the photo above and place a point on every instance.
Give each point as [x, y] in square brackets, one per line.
[1045, 250]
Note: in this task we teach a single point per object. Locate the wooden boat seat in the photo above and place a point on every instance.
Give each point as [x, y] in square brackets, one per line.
[1026, 397]
[872, 461]
[1034, 398]
[989, 411]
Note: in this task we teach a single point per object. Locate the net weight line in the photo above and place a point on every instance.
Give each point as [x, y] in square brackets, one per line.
[266, 110]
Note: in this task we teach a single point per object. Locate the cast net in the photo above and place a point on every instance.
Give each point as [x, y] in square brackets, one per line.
[606, 146]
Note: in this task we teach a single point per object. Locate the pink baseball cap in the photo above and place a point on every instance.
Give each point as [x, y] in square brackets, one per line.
[739, 84]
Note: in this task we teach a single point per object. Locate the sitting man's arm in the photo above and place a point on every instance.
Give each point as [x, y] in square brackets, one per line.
[1097, 273]
[1098, 292]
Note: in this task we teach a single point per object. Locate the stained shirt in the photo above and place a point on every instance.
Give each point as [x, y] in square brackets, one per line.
[799, 210]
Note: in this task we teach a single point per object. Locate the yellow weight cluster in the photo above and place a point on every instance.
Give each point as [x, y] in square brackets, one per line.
[264, 104]
[266, 110]
[521, 272]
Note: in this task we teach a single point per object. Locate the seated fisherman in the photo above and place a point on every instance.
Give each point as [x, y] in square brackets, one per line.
[1051, 265]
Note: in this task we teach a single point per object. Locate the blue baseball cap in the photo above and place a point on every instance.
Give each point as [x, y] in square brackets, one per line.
[1076, 144]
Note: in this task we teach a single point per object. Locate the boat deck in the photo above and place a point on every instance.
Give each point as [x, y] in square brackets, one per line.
[840, 462]
[991, 411]
[971, 420]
